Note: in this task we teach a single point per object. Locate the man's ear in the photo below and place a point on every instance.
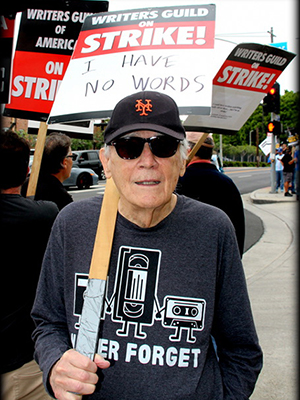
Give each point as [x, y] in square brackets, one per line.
[63, 164]
[104, 162]
[183, 168]
[182, 171]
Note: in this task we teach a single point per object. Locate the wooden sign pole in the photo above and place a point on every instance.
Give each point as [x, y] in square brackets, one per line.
[87, 338]
[37, 158]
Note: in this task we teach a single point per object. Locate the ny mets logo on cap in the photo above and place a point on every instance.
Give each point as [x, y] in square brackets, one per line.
[142, 108]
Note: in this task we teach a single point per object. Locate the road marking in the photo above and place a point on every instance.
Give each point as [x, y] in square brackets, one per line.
[262, 169]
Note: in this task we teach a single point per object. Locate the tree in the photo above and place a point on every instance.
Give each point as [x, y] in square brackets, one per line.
[289, 112]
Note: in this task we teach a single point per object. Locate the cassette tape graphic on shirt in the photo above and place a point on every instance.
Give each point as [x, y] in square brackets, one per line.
[184, 313]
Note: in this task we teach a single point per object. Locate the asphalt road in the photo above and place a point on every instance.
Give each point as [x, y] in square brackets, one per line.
[246, 179]
[249, 179]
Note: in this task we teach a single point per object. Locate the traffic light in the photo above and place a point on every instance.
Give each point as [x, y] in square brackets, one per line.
[274, 127]
[271, 102]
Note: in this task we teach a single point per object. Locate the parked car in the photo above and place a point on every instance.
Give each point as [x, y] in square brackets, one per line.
[89, 159]
[82, 178]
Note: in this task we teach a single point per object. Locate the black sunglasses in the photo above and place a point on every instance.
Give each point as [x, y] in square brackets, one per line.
[132, 147]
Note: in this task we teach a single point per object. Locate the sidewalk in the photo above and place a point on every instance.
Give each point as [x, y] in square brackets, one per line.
[271, 268]
[264, 196]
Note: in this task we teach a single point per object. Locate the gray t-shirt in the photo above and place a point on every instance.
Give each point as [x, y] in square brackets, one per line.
[171, 288]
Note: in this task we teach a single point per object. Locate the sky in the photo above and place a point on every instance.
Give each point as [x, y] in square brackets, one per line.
[241, 21]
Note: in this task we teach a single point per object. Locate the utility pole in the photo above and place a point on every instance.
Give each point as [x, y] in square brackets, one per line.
[257, 153]
[272, 34]
[221, 150]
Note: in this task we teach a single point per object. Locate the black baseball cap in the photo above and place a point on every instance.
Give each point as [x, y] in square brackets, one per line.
[147, 110]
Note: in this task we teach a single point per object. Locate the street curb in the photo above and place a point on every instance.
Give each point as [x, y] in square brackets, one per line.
[263, 196]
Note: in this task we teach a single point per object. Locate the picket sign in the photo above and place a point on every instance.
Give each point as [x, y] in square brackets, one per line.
[37, 158]
[158, 49]
[43, 43]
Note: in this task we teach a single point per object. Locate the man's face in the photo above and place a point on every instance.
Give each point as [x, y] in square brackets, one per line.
[68, 163]
[146, 182]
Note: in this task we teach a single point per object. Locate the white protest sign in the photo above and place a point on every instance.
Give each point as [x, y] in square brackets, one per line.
[165, 49]
[265, 145]
[245, 77]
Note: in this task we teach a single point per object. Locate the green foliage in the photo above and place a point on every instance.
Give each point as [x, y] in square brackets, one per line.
[81, 144]
[30, 138]
[289, 111]
[244, 164]
[96, 143]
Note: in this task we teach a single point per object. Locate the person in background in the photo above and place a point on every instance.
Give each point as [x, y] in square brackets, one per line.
[296, 157]
[25, 226]
[203, 182]
[175, 279]
[293, 184]
[284, 146]
[215, 158]
[279, 169]
[288, 163]
[55, 168]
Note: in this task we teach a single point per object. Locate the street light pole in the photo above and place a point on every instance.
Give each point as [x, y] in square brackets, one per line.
[250, 137]
[257, 153]
[221, 149]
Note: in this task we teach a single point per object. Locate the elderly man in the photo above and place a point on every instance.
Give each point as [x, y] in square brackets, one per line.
[175, 279]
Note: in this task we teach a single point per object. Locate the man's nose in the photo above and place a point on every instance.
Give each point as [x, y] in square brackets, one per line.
[147, 157]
